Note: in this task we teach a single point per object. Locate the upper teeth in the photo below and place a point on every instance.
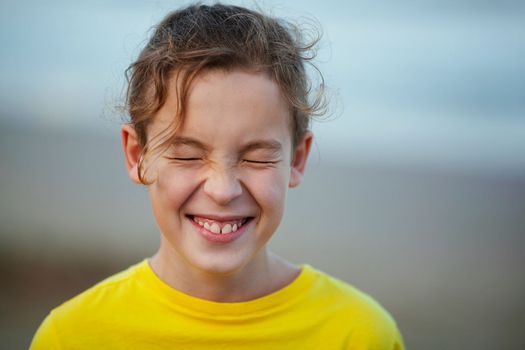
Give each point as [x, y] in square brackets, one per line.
[215, 227]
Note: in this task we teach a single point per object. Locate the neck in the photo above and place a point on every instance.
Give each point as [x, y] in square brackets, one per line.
[265, 274]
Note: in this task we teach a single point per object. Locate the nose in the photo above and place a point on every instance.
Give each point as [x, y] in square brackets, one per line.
[222, 185]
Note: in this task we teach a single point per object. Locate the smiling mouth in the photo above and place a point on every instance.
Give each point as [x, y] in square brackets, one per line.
[219, 226]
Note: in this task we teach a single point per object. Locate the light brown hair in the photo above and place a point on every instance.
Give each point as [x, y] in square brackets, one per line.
[200, 37]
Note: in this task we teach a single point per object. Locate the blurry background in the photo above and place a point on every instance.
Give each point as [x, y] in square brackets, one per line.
[415, 193]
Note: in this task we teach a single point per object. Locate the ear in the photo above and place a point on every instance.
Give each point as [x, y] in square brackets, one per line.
[132, 151]
[300, 156]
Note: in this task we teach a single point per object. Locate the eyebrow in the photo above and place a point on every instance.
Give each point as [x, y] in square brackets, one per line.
[188, 141]
[271, 145]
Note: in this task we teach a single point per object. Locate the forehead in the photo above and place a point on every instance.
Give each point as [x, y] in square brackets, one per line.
[250, 92]
[223, 103]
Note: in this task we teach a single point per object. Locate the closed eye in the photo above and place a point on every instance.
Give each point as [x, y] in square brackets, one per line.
[260, 161]
[183, 158]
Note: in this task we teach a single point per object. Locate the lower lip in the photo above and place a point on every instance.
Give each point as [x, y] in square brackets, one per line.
[220, 237]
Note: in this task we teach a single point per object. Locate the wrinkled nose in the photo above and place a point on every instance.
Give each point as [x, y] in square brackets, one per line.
[222, 186]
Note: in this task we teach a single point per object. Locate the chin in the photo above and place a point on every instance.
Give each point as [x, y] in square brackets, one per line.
[225, 265]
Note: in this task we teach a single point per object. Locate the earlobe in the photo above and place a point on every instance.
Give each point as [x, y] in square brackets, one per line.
[132, 151]
[299, 161]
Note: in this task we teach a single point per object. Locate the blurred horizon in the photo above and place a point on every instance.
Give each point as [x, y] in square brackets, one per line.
[445, 76]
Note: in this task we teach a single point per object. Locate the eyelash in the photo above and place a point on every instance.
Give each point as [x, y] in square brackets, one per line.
[245, 160]
[259, 161]
[184, 159]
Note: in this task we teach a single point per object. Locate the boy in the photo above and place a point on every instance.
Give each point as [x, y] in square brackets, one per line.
[219, 111]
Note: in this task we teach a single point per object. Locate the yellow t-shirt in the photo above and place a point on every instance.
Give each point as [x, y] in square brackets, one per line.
[134, 309]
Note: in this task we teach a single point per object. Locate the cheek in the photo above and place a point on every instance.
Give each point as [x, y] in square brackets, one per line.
[172, 188]
[269, 190]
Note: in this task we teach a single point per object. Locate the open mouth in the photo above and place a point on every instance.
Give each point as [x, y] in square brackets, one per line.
[219, 227]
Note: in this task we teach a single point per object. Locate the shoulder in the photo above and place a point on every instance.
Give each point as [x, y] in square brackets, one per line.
[116, 284]
[105, 295]
[87, 309]
[363, 316]
[346, 296]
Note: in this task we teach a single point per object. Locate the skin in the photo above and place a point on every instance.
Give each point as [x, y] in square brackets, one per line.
[232, 158]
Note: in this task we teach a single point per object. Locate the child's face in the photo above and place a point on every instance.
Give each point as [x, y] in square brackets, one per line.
[228, 170]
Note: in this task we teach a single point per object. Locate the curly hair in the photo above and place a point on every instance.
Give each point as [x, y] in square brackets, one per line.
[200, 37]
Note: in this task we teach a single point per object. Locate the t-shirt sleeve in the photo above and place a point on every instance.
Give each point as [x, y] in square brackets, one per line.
[376, 330]
[389, 338]
[46, 336]
[398, 341]
[376, 339]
